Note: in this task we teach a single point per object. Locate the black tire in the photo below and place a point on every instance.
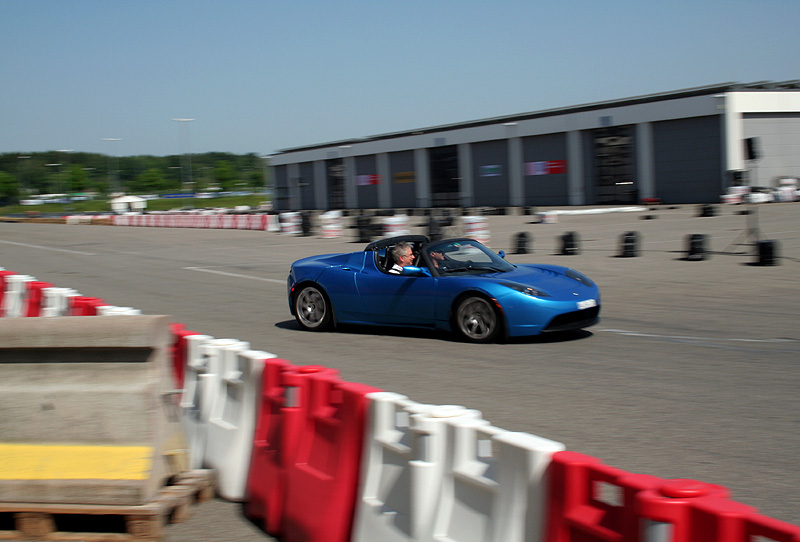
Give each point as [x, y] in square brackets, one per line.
[476, 319]
[312, 309]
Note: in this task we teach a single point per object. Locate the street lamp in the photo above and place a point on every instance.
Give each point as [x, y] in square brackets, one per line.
[188, 153]
[113, 183]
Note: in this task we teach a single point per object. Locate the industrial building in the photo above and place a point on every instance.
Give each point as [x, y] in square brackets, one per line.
[685, 146]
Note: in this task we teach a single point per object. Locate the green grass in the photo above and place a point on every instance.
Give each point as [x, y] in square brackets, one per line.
[152, 205]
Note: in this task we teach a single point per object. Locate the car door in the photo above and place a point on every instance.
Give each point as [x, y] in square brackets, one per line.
[397, 299]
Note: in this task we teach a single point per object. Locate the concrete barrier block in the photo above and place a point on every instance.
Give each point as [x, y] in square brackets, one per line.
[89, 413]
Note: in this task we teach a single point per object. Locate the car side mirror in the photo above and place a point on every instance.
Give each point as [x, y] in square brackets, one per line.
[413, 271]
[502, 254]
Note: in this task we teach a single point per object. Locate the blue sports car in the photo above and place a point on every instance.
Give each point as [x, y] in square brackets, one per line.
[457, 285]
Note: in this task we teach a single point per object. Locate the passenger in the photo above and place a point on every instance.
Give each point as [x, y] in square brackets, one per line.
[403, 255]
[436, 257]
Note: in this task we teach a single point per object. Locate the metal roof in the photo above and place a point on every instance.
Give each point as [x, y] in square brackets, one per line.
[672, 95]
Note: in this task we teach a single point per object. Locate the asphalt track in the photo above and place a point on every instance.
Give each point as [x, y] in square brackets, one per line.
[691, 373]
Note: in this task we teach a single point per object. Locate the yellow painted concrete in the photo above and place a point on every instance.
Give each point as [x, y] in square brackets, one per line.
[74, 462]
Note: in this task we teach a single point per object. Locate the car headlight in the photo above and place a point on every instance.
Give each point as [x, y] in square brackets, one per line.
[580, 277]
[525, 289]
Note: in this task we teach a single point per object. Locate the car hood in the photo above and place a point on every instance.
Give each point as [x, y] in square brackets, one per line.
[550, 278]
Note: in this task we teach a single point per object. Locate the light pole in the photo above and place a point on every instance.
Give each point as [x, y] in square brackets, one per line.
[188, 153]
[112, 180]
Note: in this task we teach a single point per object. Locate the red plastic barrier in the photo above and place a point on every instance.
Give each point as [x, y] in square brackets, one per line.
[672, 502]
[85, 306]
[177, 352]
[699, 512]
[284, 388]
[33, 299]
[306, 457]
[3, 275]
[757, 525]
[322, 482]
[593, 502]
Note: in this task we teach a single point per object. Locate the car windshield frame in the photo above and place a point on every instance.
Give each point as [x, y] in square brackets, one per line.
[464, 257]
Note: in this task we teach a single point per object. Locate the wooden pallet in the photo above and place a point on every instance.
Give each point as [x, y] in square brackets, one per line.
[107, 523]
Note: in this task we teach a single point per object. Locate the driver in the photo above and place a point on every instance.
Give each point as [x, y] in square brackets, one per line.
[403, 255]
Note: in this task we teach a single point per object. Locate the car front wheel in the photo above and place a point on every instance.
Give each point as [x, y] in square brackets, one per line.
[312, 310]
[476, 319]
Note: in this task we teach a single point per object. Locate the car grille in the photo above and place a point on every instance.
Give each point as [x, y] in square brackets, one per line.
[574, 320]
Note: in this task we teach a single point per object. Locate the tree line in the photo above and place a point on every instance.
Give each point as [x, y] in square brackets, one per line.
[59, 172]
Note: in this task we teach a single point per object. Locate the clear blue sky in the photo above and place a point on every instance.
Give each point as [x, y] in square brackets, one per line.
[259, 76]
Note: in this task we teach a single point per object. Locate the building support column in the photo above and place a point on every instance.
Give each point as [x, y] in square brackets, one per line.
[293, 180]
[423, 177]
[515, 177]
[320, 185]
[576, 189]
[466, 181]
[384, 181]
[732, 144]
[645, 166]
[350, 192]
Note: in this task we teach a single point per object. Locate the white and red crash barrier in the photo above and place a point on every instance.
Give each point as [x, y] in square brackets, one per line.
[85, 306]
[319, 459]
[593, 502]
[194, 220]
[476, 227]
[289, 223]
[34, 300]
[56, 301]
[198, 399]
[456, 476]
[405, 441]
[395, 225]
[221, 383]
[231, 427]
[331, 224]
[304, 472]
[14, 287]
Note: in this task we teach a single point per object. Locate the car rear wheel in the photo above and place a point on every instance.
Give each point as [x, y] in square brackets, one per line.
[312, 310]
[476, 319]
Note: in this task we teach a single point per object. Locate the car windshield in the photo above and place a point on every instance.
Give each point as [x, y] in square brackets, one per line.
[464, 256]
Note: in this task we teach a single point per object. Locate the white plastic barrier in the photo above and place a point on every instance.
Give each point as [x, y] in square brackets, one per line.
[331, 225]
[395, 225]
[111, 310]
[548, 217]
[291, 223]
[442, 473]
[193, 396]
[475, 227]
[55, 301]
[14, 296]
[201, 391]
[787, 193]
[402, 469]
[231, 427]
[495, 488]
[273, 223]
